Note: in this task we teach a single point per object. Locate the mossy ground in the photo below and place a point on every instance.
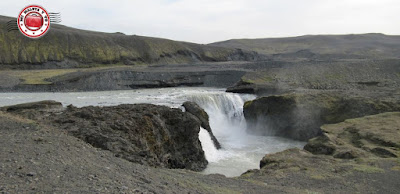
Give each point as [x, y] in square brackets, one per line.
[258, 78]
[39, 77]
[368, 172]
[247, 103]
[368, 169]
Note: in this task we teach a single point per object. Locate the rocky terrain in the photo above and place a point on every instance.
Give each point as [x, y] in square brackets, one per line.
[322, 47]
[299, 115]
[143, 133]
[43, 152]
[38, 158]
[116, 78]
[261, 78]
[318, 89]
[356, 156]
[280, 77]
[69, 59]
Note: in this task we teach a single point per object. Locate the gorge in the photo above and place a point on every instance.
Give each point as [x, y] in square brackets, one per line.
[240, 151]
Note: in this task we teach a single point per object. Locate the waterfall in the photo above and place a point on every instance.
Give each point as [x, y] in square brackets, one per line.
[240, 151]
[225, 111]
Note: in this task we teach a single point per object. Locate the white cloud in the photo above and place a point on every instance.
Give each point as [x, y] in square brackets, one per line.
[205, 21]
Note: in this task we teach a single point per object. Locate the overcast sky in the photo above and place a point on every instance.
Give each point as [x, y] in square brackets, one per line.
[206, 21]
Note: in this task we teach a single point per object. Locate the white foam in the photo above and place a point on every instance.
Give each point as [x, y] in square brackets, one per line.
[209, 149]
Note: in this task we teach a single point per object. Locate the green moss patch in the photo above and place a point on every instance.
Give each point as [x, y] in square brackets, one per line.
[258, 78]
[396, 168]
[36, 77]
[39, 77]
[247, 103]
[368, 169]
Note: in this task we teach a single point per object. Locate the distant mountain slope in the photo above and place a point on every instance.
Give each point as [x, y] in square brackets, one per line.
[68, 47]
[347, 46]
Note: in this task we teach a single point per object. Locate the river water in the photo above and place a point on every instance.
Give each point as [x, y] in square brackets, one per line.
[240, 151]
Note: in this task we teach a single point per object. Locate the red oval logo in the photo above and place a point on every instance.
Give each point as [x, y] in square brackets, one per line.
[33, 21]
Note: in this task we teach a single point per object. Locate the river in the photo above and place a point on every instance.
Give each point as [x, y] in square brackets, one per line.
[240, 151]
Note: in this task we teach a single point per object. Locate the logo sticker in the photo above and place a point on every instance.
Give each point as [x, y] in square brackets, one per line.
[33, 21]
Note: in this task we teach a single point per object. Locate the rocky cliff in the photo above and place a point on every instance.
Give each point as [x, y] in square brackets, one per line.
[113, 79]
[148, 134]
[300, 115]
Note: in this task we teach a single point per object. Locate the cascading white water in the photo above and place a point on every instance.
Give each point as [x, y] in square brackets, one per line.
[239, 152]
[225, 112]
[210, 151]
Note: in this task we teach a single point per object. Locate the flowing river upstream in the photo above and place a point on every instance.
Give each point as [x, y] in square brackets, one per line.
[240, 151]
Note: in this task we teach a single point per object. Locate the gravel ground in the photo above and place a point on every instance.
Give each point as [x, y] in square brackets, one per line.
[40, 159]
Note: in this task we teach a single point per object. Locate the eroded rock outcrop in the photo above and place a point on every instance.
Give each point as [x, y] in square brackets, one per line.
[371, 136]
[44, 105]
[357, 155]
[300, 115]
[197, 111]
[243, 87]
[141, 133]
[50, 160]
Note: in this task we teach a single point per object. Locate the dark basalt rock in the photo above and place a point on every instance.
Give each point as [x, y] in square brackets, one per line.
[42, 105]
[124, 79]
[147, 134]
[142, 133]
[197, 111]
[242, 87]
[322, 145]
[300, 115]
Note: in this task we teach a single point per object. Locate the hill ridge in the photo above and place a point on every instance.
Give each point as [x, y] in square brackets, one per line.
[66, 47]
[370, 45]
